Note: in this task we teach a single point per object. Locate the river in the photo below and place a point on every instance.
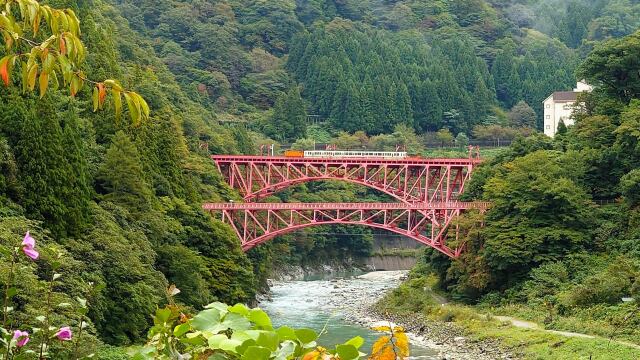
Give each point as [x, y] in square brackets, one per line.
[328, 303]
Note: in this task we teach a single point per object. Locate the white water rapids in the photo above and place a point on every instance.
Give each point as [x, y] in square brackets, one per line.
[322, 303]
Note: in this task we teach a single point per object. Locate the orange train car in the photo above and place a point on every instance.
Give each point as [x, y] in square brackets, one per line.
[294, 153]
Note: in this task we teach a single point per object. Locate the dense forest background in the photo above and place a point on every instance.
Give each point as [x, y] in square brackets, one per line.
[122, 202]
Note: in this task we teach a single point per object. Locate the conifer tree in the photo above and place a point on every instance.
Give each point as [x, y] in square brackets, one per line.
[404, 113]
[343, 103]
[50, 161]
[122, 176]
[78, 188]
[562, 128]
[289, 120]
[505, 78]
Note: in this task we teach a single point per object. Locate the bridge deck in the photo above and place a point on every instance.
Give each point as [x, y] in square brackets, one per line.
[355, 161]
[449, 205]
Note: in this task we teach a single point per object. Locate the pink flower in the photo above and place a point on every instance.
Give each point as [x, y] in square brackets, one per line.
[28, 241]
[64, 333]
[32, 253]
[28, 247]
[22, 338]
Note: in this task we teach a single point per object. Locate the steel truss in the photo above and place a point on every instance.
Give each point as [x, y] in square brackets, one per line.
[409, 180]
[427, 223]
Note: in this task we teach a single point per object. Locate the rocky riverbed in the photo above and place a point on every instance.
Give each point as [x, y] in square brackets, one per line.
[354, 299]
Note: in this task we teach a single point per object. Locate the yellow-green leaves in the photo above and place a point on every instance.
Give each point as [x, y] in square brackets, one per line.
[31, 77]
[32, 14]
[117, 102]
[44, 83]
[94, 98]
[76, 83]
[138, 107]
[62, 53]
[99, 95]
[134, 108]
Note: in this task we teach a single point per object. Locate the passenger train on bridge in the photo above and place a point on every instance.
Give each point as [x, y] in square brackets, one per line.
[319, 154]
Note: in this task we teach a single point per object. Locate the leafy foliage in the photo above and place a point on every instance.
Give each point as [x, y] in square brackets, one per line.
[59, 54]
[289, 120]
[107, 189]
[613, 65]
[394, 346]
[545, 244]
[124, 200]
[236, 332]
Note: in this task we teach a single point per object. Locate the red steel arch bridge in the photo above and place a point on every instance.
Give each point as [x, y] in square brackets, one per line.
[408, 180]
[427, 190]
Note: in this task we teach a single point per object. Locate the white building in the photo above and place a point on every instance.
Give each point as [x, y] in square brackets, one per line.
[559, 106]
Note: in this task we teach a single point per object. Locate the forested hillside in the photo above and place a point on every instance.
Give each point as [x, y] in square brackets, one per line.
[359, 71]
[561, 242]
[369, 65]
[120, 202]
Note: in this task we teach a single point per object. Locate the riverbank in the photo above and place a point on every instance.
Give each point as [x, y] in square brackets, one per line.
[358, 305]
[483, 336]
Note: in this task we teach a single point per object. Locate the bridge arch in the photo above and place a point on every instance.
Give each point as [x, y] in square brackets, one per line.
[274, 188]
[427, 223]
[408, 180]
[453, 253]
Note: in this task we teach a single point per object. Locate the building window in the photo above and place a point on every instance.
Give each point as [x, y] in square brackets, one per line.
[548, 106]
[548, 127]
[548, 117]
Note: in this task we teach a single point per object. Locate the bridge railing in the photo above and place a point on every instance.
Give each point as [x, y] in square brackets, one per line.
[348, 206]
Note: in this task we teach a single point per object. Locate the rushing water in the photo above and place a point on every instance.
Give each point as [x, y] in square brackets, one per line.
[316, 304]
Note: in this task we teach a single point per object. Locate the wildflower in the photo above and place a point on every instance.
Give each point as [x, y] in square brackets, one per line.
[22, 338]
[28, 247]
[64, 333]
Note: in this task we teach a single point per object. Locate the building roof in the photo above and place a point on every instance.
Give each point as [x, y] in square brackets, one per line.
[565, 96]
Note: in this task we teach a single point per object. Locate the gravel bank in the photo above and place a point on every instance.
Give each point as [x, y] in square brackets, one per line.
[355, 298]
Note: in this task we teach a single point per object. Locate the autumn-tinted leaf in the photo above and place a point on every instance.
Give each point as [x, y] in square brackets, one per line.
[8, 40]
[63, 46]
[313, 355]
[102, 94]
[36, 22]
[401, 343]
[390, 347]
[44, 83]
[4, 69]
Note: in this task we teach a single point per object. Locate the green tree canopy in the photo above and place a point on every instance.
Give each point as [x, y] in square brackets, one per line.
[538, 214]
[614, 66]
[121, 175]
[522, 115]
[289, 119]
